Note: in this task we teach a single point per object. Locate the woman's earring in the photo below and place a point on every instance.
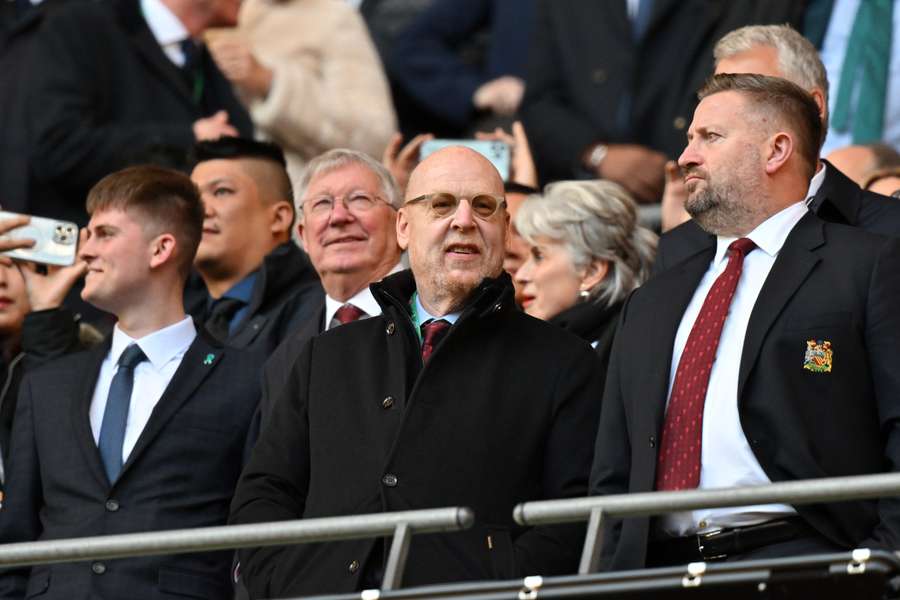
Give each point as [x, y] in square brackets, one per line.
[583, 294]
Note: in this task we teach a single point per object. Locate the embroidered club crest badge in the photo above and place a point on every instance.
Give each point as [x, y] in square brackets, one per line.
[818, 357]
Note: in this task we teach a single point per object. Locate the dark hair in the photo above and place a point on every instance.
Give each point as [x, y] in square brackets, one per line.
[235, 148]
[791, 103]
[885, 156]
[166, 201]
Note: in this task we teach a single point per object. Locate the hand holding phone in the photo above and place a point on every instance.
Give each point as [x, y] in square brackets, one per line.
[38, 239]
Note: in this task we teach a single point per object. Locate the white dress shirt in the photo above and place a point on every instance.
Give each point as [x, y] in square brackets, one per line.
[164, 350]
[726, 457]
[363, 300]
[166, 28]
[815, 183]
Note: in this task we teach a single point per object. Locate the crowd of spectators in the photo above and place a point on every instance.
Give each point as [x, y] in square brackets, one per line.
[278, 310]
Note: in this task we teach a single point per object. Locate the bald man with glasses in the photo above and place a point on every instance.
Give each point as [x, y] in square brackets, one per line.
[451, 396]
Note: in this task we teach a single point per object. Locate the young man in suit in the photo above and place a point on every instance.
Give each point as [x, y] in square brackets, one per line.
[145, 432]
[254, 286]
[422, 406]
[759, 353]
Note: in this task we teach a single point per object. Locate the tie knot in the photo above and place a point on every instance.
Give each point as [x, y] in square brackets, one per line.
[347, 313]
[742, 246]
[131, 357]
[433, 330]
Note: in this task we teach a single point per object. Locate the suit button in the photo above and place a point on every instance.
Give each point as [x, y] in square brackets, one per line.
[99, 568]
[390, 328]
[679, 123]
[389, 480]
[653, 441]
[598, 76]
[387, 402]
[112, 505]
[354, 566]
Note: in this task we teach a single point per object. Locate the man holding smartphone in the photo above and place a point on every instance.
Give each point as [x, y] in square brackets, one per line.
[147, 430]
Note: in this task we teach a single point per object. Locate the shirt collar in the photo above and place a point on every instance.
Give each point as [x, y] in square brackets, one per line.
[165, 26]
[242, 290]
[363, 300]
[815, 183]
[769, 236]
[425, 316]
[160, 346]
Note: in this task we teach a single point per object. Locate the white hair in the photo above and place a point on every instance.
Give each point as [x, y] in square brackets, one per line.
[596, 220]
[798, 59]
[341, 157]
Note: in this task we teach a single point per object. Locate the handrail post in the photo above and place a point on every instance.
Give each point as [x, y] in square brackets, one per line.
[393, 572]
[593, 543]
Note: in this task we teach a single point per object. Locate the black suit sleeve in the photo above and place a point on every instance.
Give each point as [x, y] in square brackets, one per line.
[567, 463]
[74, 144]
[882, 331]
[558, 132]
[274, 484]
[19, 521]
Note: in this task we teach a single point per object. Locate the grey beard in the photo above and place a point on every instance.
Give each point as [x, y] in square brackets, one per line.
[720, 213]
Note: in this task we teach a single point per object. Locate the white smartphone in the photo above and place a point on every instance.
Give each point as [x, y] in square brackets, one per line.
[56, 242]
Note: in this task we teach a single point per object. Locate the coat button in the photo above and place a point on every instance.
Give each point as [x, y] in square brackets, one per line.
[679, 123]
[389, 480]
[99, 568]
[390, 328]
[497, 307]
[112, 505]
[387, 402]
[652, 441]
[598, 76]
[354, 566]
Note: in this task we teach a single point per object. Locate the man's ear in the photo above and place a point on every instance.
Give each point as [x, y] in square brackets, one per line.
[282, 215]
[402, 229]
[162, 249]
[780, 149]
[819, 97]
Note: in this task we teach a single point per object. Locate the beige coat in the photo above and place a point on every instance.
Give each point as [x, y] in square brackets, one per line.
[328, 87]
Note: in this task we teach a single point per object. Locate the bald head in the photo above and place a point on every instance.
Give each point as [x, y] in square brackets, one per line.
[452, 251]
[454, 165]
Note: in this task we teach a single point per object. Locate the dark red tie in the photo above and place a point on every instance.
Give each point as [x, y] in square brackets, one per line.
[678, 464]
[432, 333]
[348, 313]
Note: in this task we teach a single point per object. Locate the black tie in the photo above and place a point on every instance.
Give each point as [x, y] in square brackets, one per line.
[115, 416]
[219, 321]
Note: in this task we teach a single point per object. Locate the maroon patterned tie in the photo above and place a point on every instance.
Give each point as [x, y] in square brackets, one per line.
[678, 464]
[348, 313]
[432, 333]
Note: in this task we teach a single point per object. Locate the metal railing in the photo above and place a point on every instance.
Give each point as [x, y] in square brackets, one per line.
[400, 525]
[595, 509]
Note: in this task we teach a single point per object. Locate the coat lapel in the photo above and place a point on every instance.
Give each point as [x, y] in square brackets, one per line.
[81, 412]
[791, 268]
[838, 199]
[199, 361]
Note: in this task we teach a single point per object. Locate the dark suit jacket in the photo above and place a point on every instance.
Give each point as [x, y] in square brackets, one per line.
[829, 282]
[285, 296]
[181, 473]
[586, 71]
[504, 411]
[277, 370]
[103, 95]
[839, 200]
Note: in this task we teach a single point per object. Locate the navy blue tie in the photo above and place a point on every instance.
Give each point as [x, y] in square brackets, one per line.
[115, 417]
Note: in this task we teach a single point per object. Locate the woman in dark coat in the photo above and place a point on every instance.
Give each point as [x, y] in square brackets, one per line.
[587, 254]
